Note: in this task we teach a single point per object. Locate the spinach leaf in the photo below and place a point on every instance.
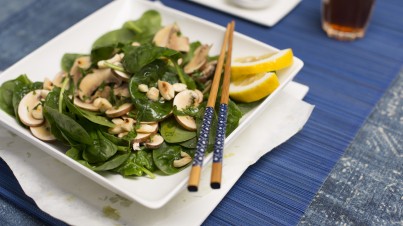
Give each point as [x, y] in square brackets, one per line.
[184, 78]
[136, 57]
[68, 126]
[145, 27]
[112, 163]
[7, 91]
[164, 157]
[87, 114]
[74, 153]
[100, 149]
[191, 144]
[104, 47]
[172, 132]
[233, 117]
[148, 110]
[136, 165]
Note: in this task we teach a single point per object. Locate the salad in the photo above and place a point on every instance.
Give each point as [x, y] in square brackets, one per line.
[133, 105]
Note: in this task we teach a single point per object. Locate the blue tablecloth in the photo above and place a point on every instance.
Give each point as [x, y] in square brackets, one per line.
[346, 80]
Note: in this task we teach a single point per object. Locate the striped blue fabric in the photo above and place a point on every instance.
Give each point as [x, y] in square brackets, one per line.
[346, 80]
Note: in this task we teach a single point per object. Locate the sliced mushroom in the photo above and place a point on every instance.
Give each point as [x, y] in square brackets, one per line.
[198, 60]
[178, 43]
[42, 132]
[122, 90]
[163, 36]
[85, 106]
[179, 87]
[166, 89]
[30, 103]
[183, 161]
[120, 111]
[147, 128]
[183, 100]
[80, 63]
[105, 92]
[47, 84]
[141, 137]
[102, 104]
[116, 58]
[92, 81]
[154, 142]
[200, 96]
[59, 78]
[207, 72]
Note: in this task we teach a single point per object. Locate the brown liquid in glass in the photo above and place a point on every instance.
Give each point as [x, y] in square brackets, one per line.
[347, 15]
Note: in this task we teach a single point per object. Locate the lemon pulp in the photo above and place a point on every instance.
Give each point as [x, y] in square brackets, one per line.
[250, 88]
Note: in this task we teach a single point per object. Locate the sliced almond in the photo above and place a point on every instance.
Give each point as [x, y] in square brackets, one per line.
[166, 89]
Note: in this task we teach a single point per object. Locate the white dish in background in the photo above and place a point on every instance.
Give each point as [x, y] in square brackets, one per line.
[152, 193]
[267, 16]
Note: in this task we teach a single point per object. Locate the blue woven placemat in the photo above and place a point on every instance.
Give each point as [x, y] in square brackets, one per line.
[346, 81]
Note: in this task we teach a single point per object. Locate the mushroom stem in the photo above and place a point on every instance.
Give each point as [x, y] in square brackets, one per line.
[114, 66]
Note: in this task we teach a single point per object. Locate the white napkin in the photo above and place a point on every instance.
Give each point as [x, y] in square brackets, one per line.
[71, 197]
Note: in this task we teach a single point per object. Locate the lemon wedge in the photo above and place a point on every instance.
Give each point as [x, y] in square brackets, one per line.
[250, 88]
[260, 64]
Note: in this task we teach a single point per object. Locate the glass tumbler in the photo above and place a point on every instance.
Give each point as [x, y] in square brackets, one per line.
[346, 19]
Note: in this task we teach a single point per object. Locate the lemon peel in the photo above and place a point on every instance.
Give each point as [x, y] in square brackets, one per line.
[260, 64]
[250, 88]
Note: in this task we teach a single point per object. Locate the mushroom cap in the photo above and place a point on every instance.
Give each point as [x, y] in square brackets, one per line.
[120, 111]
[93, 80]
[154, 142]
[162, 36]
[28, 103]
[183, 100]
[42, 132]
[86, 106]
[198, 60]
[147, 128]
[141, 137]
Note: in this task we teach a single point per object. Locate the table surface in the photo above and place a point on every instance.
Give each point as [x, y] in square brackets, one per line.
[345, 166]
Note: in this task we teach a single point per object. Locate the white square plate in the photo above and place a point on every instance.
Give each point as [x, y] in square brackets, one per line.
[152, 193]
[267, 16]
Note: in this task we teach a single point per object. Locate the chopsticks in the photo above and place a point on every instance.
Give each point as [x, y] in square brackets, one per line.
[203, 141]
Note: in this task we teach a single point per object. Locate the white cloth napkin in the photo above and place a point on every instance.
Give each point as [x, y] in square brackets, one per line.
[69, 196]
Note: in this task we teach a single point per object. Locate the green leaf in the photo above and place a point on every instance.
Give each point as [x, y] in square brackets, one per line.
[164, 157]
[172, 132]
[68, 60]
[112, 163]
[136, 57]
[146, 26]
[100, 150]
[68, 126]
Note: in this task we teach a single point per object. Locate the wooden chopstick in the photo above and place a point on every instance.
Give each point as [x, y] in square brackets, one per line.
[202, 141]
[215, 181]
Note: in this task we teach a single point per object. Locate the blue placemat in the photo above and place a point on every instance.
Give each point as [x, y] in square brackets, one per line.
[346, 81]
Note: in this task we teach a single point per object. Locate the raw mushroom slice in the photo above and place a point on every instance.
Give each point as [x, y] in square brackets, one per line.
[80, 63]
[163, 36]
[58, 80]
[85, 106]
[154, 142]
[178, 43]
[30, 105]
[42, 132]
[120, 111]
[198, 60]
[122, 90]
[141, 137]
[183, 100]
[93, 80]
[147, 128]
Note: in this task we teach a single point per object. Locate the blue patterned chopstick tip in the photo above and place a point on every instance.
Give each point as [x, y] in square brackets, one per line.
[220, 135]
[203, 137]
